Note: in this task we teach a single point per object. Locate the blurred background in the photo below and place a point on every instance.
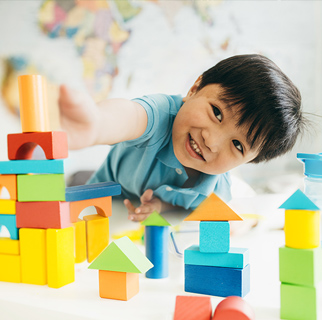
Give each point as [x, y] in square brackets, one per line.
[126, 48]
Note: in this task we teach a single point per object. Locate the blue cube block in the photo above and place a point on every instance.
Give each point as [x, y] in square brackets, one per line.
[214, 236]
[217, 281]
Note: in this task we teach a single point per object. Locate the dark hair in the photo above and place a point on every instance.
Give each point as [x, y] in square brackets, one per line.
[268, 102]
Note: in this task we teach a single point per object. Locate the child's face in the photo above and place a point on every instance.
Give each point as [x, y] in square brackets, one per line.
[205, 133]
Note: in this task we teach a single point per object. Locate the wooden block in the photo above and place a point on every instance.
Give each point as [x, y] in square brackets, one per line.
[103, 207]
[80, 241]
[214, 236]
[33, 256]
[233, 308]
[298, 302]
[33, 103]
[234, 258]
[43, 215]
[41, 187]
[302, 229]
[60, 257]
[9, 221]
[118, 285]
[9, 181]
[92, 191]
[217, 281]
[192, 308]
[21, 145]
[15, 167]
[155, 219]
[9, 246]
[300, 266]
[10, 270]
[299, 201]
[97, 235]
[157, 251]
[7, 206]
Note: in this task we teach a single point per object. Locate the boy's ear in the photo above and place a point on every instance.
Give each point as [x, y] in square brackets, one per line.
[193, 89]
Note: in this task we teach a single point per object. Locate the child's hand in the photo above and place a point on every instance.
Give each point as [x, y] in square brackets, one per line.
[148, 205]
[79, 117]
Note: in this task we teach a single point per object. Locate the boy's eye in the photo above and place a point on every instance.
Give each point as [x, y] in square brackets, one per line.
[238, 146]
[217, 113]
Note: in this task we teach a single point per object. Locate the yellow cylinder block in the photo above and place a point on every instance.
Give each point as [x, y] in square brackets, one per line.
[33, 103]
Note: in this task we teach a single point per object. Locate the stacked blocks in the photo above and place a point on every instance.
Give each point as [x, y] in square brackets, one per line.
[46, 236]
[119, 266]
[300, 260]
[156, 245]
[214, 267]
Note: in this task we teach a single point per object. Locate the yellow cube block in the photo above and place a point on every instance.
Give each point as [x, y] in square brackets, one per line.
[80, 241]
[60, 257]
[10, 270]
[302, 229]
[7, 206]
[9, 246]
[97, 235]
[33, 256]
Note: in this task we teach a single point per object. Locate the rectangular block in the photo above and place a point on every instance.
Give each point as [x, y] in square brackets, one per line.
[300, 266]
[60, 257]
[214, 236]
[9, 246]
[80, 241]
[302, 229]
[216, 281]
[9, 182]
[97, 235]
[43, 215]
[7, 206]
[92, 191]
[31, 166]
[9, 221]
[33, 256]
[10, 270]
[298, 302]
[41, 187]
[234, 258]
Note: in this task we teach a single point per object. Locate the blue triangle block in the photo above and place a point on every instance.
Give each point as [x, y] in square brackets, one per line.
[299, 201]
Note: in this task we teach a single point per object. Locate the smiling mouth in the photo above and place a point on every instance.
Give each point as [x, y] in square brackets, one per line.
[195, 147]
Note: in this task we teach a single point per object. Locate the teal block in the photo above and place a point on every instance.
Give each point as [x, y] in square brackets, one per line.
[299, 201]
[214, 236]
[9, 221]
[31, 166]
[298, 302]
[234, 258]
[41, 187]
[300, 266]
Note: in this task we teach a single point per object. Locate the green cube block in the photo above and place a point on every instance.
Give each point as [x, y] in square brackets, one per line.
[298, 302]
[300, 266]
[41, 187]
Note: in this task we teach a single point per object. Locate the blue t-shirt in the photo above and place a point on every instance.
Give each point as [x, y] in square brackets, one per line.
[148, 162]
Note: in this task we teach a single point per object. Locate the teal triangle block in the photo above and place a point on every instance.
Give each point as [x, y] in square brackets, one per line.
[122, 255]
[299, 201]
[155, 219]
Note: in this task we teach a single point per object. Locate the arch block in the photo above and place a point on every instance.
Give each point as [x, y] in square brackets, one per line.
[103, 207]
[9, 221]
[21, 145]
[9, 182]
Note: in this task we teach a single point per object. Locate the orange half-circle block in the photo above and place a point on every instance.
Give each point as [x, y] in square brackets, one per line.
[21, 145]
[213, 209]
[9, 181]
[103, 207]
[233, 308]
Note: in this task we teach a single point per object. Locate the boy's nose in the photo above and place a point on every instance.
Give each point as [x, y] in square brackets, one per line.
[213, 141]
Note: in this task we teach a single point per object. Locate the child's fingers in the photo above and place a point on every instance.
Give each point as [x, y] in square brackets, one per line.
[145, 209]
[138, 217]
[146, 196]
[130, 207]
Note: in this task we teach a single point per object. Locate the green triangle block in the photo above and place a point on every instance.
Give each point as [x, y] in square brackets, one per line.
[155, 219]
[122, 255]
[299, 201]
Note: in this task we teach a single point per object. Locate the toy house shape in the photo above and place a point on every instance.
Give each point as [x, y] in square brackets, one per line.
[119, 266]
[156, 245]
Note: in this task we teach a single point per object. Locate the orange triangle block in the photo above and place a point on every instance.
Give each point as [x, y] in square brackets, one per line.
[213, 209]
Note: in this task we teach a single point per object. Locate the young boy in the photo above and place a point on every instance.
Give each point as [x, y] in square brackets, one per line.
[170, 151]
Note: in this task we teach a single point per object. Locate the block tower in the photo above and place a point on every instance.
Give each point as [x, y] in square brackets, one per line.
[214, 267]
[41, 215]
[300, 260]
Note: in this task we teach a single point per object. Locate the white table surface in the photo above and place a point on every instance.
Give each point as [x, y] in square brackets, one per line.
[156, 299]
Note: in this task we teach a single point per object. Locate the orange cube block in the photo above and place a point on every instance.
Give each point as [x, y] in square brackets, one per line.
[192, 307]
